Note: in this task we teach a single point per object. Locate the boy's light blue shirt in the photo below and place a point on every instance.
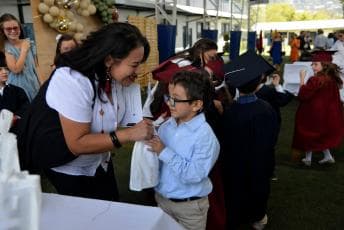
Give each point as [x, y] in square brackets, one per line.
[191, 149]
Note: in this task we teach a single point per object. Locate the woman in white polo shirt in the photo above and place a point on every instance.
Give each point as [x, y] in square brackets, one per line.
[71, 126]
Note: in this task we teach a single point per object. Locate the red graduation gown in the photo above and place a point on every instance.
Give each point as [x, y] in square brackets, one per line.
[319, 122]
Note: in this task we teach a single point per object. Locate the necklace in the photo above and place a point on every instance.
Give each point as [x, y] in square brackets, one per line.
[102, 112]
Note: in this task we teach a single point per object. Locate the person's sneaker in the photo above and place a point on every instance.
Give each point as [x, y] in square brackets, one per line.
[260, 225]
[327, 161]
[274, 177]
[306, 162]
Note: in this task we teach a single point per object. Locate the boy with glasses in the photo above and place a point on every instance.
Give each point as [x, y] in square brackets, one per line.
[187, 150]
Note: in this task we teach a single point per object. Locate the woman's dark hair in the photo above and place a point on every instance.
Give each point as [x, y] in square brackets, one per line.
[116, 39]
[159, 98]
[333, 71]
[195, 54]
[62, 38]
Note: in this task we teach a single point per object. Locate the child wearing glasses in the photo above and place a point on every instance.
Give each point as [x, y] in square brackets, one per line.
[187, 149]
[12, 97]
[19, 56]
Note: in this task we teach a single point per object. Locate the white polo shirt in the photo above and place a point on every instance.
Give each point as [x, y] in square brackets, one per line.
[71, 94]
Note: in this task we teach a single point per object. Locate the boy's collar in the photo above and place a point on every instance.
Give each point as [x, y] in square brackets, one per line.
[247, 98]
[194, 123]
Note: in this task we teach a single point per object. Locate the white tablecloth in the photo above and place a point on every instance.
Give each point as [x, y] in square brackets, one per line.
[75, 213]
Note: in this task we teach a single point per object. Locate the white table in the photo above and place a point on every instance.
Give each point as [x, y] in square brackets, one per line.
[74, 213]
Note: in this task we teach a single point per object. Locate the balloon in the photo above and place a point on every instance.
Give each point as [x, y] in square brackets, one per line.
[78, 36]
[63, 24]
[54, 11]
[43, 8]
[92, 9]
[66, 4]
[48, 18]
[49, 2]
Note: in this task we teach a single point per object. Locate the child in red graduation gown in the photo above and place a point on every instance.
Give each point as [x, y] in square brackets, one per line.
[319, 122]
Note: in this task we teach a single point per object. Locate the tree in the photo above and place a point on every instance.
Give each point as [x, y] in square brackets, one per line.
[283, 12]
[342, 2]
[279, 12]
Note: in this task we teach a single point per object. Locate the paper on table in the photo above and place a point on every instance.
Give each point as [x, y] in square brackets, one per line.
[133, 105]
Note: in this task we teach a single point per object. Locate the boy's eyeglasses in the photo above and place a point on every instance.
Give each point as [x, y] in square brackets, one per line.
[172, 101]
[9, 29]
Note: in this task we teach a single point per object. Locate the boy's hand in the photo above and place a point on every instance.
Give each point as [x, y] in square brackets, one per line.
[276, 79]
[155, 145]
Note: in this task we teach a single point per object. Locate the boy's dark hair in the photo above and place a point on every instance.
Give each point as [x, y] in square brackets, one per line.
[192, 82]
[251, 86]
[197, 86]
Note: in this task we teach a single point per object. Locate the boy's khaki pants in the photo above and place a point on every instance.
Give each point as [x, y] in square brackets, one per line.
[192, 215]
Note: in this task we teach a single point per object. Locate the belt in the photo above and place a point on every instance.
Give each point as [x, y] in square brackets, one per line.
[185, 199]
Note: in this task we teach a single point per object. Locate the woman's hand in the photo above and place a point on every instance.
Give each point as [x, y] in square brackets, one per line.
[143, 130]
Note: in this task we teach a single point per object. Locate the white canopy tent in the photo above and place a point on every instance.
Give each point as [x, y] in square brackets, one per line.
[311, 25]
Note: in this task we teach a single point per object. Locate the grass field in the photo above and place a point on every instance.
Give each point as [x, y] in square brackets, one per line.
[302, 198]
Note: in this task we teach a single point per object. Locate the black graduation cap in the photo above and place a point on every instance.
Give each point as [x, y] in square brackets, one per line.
[246, 68]
[2, 60]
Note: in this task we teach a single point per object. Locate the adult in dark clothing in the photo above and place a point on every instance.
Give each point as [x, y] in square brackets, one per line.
[251, 129]
[12, 98]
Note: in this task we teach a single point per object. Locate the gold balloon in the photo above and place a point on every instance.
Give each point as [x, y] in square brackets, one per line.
[67, 4]
[63, 24]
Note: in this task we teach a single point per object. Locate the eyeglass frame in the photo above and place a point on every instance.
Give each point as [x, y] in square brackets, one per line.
[10, 29]
[172, 101]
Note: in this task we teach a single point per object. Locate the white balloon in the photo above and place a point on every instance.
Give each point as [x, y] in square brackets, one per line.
[84, 4]
[43, 8]
[79, 27]
[49, 2]
[70, 14]
[54, 11]
[48, 18]
[92, 9]
[78, 36]
[85, 13]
